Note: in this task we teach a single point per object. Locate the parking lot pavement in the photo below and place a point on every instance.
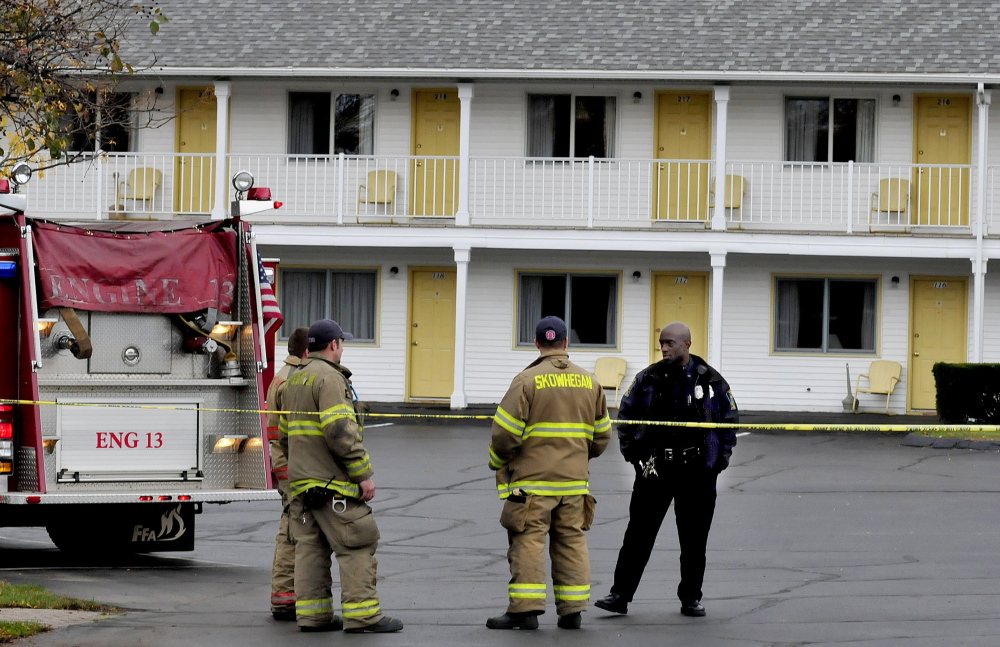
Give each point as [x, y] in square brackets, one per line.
[819, 539]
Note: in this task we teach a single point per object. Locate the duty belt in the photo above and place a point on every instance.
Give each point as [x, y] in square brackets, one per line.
[683, 456]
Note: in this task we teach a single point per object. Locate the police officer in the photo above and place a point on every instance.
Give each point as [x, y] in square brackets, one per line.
[283, 567]
[330, 480]
[672, 463]
[551, 422]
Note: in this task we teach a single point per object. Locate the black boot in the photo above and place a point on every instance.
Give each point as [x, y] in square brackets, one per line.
[526, 620]
[612, 602]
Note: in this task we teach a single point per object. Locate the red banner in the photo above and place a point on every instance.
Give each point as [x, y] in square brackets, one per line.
[137, 267]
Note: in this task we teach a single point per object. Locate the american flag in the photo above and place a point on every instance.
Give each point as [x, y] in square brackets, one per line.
[272, 313]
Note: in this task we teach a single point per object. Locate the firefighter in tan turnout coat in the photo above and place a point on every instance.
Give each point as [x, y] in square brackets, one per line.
[551, 422]
[283, 567]
[329, 475]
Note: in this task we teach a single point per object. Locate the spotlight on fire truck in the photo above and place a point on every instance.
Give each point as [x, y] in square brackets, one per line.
[9, 198]
[249, 199]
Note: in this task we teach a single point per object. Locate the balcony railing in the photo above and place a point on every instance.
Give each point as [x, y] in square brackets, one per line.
[525, 191]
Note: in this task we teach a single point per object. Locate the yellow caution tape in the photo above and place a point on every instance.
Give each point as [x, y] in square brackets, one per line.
[455, 416]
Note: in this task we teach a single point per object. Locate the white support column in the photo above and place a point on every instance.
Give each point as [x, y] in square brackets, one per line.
[222, 92]
[979, 262]
[721, 116]
[459, 400]
[715, 342]
[465, 94]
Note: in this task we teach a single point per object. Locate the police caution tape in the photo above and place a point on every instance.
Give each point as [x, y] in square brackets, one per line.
[752, 426]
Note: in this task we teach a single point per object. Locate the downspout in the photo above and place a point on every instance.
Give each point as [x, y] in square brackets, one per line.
[979, 262]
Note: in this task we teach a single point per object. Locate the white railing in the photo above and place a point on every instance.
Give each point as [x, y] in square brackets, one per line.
[346, 189]
[125, 185]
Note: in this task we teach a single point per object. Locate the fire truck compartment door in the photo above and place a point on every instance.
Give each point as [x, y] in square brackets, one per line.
[130, 343]
[113, 443]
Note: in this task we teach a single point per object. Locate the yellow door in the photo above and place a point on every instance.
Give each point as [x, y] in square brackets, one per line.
[432, 333]
[434, 182]
[194, 170]
[939, 316]
[680, 296]
[943, 135]
[683, 132]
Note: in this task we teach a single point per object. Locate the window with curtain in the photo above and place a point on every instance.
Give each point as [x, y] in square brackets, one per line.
[825, 315]
[588, 303]
[829, 130]
[110, 124]
[317, 120]
[349, 297]
[564, 125]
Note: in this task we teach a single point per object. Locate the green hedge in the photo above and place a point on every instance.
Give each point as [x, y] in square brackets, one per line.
[968, 393]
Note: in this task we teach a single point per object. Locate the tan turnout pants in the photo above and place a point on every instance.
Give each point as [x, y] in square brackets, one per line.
[283, 567]
[563, 519]
[352, 536]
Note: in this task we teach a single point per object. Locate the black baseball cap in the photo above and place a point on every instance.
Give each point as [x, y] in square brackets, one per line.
[550, 329]
[325, 331]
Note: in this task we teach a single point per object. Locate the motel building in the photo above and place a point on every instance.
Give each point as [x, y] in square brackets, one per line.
[810, 187]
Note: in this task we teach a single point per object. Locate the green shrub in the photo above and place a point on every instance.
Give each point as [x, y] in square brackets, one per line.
[968, 393]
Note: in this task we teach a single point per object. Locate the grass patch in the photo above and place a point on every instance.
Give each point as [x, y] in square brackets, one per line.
[31, 596]
[964, 435]
[11, 631]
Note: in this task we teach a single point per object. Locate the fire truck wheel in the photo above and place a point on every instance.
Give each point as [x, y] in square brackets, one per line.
[70, 539]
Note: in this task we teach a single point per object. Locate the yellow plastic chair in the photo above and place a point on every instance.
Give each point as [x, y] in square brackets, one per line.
[893, 196]
[141, 184]
[882, 376]
[736, 186]
[610, 371]
[380, 188]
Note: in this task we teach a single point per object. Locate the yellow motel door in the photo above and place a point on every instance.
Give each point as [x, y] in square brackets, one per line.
[939, 329]
[680, 296]
[194, 169]
[683, 132]
[431, 356]
[943, 135]
[434, 182]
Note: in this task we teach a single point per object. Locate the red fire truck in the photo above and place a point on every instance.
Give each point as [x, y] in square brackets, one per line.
[132, 373]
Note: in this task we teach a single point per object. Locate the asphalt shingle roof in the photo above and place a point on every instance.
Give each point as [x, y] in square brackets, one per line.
[814, 36]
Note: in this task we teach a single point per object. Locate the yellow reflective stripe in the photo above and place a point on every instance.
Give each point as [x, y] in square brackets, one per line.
[346, 488]
[359, 467]
[544, 488]
[303, 428]
[495, 461]
[526, 591]
[336, 413]
[509, 422]
[560, 430]
[568, 592]
[361, 609]
[314, 607]
[602, 425]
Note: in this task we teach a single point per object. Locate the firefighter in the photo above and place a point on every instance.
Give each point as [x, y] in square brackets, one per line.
[330, 480]
[672, 463]
[283, 567]
[551, 422]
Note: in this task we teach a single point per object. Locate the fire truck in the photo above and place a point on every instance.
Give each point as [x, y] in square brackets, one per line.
[133, 366]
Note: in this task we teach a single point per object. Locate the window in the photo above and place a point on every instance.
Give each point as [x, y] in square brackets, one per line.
[815, 133]
[825, 315]
[115, 118]
[310, 126]
[563, 125]
[588, 303]
[349, 297]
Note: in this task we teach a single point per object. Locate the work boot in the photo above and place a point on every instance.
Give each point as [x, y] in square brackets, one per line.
[335, 625]
[285, 614]
[526, 620]
[386, 625]
[612, 602]
[692, 608]
[570, 621]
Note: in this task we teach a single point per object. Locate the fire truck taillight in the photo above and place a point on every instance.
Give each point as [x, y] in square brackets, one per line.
[6, 439]
[164, 497]
[183, 497]
[145, 497]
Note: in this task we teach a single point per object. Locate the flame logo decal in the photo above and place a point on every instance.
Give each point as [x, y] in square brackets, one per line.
[171, 525]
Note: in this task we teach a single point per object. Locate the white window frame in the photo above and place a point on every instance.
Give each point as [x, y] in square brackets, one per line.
[573, 96]
[830, 99]
[327, 312]
[520, 323]
[825, 335]
[331, 145]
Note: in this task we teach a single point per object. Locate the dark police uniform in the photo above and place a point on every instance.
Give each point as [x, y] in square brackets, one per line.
[687, 461]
